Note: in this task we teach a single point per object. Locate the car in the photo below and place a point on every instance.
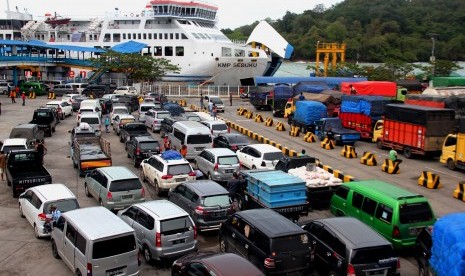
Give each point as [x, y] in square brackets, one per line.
[166, 125]
[76, 104]
[31, 132]
[206, 200]
[145, 107]
[232, 141]
[190, 116]
[15, 144]
[39, 88]
[114, 187]
[259, 156]
[93, 120]
[6, 87]
[125, 90]
[270, 241]
[158, 97]
[216, 127]
[422, 250]
[64, 108]
[34, 204]
[113, 97]
[209, 263]
[69, 98]
[167, 170]
[244, 95]
[174, 108]
[163, 229]
[347, 246]
[153, 119]
[46, 118]
[95, 90]
[216, 101]
[120, 120]
[131, 102]
[218, 164]
[141, 147]
[129, 130]
[117, 109]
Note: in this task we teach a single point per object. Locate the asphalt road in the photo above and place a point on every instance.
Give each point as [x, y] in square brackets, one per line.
[22, 254]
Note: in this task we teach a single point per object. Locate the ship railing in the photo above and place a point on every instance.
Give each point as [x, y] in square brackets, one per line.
[192, 91]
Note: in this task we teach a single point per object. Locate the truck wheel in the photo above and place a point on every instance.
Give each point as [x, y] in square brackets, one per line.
[408, 152]
[8, 182]
[55, 250]
[379, 144]
[86, 190]
[451, 164]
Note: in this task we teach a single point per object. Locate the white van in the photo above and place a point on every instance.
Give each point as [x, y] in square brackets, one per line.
[93, 119]
[194, 135]
[93, 241]
[92, 104]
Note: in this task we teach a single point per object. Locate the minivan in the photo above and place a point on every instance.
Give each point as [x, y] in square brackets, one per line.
[39, 88]
[163, 229]
[398, 215]
[93, 241]
[93, 119]
[194, 135]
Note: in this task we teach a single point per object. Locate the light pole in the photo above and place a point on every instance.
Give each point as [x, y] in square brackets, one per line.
[433, 58]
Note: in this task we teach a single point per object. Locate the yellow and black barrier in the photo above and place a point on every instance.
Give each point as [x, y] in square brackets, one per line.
[327, 144]
[310, 137]
[336, 173]
[241, 111]
[258, 118]
[249, 115]
[348, 152]
[51, 95]
[32, 95]
[390, 167]
[368, 159]
[459, 192]
[182, 103]
[268, 122]
[429, 180]
[295, 131]
[280, 127]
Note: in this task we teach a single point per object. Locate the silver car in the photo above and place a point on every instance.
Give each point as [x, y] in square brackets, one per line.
[114, 187]
[153, 119]
[218, 164]
[163, 229]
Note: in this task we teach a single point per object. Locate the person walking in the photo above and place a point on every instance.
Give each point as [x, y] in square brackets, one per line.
[23, 97]
[214, 111]
[210, 107]
[2, 163]
[13, 96]
[393, 156]
[41, 149]
[107, 123]
[234, 186]
[230, 98]
[183, 150]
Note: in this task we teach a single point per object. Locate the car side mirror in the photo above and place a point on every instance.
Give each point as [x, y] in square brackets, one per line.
[22, 196]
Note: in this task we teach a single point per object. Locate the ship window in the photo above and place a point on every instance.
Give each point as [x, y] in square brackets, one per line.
[168, 51]
[106, 38]
[201, 35]
[239, 53]
[207, 36]
[154, 36]
[157, 51]
[133, 36]
[179, 51]
[166, 35]
[195, 35]
[183, 36]
[150, 35]
[124, 36]
[116, 37]
[177, 36]
[160, 36]
[129, 36]
[226, 52]
[139, 36]
[171, 36]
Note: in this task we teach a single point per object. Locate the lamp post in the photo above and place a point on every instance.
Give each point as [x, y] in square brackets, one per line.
[433, 58]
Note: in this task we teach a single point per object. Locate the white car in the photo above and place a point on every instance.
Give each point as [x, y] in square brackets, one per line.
[64, 108]
[166, 174]
[144, 107]
[120, 120]
[113, 97]
[153, 119]
[34, 204]
[69, 98]
[125, 90]
[259, 156]
[118, 109]
[216, 127]
[216, 101]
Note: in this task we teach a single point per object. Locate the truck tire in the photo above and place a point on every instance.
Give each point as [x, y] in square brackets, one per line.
[451, 164]
[379, 144]
[408, 152]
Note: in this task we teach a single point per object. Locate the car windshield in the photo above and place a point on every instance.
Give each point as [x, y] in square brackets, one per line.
[145, 108]
[216, 200]
[270, 156]
[114, 246]
[199, 139]
[64, 205]
[220, 127]
[120, 111]
[90, 120]
[228, 160]
[291, 243]
[175, 225]
[125, 185]
[179, 169]
[163, 115]
[216, 101]
[237, 139]
[415, 212]
[149, 145]
[7, 149]
[373, 255]
[136, 127]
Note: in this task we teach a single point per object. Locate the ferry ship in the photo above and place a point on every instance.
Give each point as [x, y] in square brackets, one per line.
[184, 32]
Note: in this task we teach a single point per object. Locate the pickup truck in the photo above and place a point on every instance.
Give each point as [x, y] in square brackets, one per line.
[24, 169]
[342, 136]
[130, 130]
[89, 153]
[46, 119]
[275, 190]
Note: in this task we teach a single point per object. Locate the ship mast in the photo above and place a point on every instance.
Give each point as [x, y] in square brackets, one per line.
[8, 16]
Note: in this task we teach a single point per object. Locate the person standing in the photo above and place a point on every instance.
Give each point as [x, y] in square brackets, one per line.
[214, 111]
[2, 163]
[41, 149]
[201, 102]
[23, 97]
[107, 123]
[301, 97]
[352, 90]
[166, 142]
[234, 186]
[393, 156]
[230, 99]
[183, 150]
[13, 96]
[210, 107]
[330, 134]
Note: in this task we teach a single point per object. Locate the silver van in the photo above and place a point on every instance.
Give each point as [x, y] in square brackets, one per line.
[194, 135]
[115, 187]
[93, 241]
[163, 229]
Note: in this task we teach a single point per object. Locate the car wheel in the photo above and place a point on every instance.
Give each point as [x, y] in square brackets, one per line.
[55, 250]
[78, 273]
[36, 232]
[86, 190]
[121, 138]
[157, 187]
[223, 245]
[100, 202]
[147, 255]
[21, 211]
[209, 176]
[129, 156]
[71, 113]
[142, 175]
[153, 129]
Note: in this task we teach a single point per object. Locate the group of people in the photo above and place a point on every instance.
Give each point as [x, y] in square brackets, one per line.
[212, 108]
[15, 93]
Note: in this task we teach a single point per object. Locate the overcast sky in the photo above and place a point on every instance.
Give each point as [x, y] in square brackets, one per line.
[232, 13]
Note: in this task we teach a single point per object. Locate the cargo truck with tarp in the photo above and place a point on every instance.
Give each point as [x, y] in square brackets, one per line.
[414, 130]
[453, 149]
[331, 102]
[457, 103]
[306, 114]
[375, 88]
[448, 81]
[272, 98]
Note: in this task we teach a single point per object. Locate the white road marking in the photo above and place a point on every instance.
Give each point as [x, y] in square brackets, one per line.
[442, 172]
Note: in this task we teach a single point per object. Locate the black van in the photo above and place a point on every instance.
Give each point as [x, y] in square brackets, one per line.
[270, 241]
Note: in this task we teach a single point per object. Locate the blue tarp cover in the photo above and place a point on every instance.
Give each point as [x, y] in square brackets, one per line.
[448, 250]
[282, 91]
[171, 155]
[129, 47]
[368, 105]
[310, 86]
[307, 112]
[332, 82]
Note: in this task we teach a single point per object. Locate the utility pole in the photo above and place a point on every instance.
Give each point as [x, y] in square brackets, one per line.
[432, 59]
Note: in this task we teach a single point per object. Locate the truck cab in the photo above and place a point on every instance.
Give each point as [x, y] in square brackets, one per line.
[378, 134]
[342, 136]
[453, 151]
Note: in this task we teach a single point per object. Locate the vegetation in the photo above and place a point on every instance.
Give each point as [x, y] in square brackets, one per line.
[376, 30]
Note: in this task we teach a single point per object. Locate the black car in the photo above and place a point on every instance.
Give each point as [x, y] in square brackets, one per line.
[130, 130]
[166, 125]
[130, 101]
[95, 90]
[76, 104]
[173, 108]
[207, 202]
[46, 118]
[139, 148]
[106, 105]
[31, 132]
[346, 246]
[422, 250]
[231, 141]
[270, 241]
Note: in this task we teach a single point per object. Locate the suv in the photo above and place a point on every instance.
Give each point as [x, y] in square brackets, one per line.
[46, 118]
[216, 101]
[141, 147]
[125, 90]
[130, 130]
[216, 127]
[162, 228]
[166, 125]
[270, 241]
[95, 90]
[14, 144]
[190, 116]
[423, 251]
[218, 164]
[346, 246]
[153, 119]
[120, 120]
[206, 200]
[29, 131]
[166, 171]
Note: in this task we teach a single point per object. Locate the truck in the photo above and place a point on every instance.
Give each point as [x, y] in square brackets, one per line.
[306, 114]
[275, 190]
[130, 130]
[360, 113]
[272, 98]
[376, 88]
[88, 153]
[24, 169]
[342, 135]
[414, 130]
[455, 102]
[453, 149]
[332, 103]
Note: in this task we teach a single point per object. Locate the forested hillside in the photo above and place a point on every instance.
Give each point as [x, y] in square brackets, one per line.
[376, 30]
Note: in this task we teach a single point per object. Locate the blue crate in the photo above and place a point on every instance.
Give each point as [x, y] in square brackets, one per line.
[289, 195]
[284, 203]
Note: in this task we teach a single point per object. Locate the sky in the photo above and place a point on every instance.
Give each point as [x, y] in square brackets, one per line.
[231, 13]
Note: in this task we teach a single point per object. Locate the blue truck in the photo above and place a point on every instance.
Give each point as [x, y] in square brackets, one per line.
[306, 114]
[272, 98]
[276, 190]
[342, 136]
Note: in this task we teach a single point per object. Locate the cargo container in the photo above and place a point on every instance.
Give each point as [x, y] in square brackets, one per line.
[414, 130]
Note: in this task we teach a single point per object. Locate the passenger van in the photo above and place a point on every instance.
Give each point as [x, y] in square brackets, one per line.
[39, 88]
[93, 241]
[194, 135]
[398, 215]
